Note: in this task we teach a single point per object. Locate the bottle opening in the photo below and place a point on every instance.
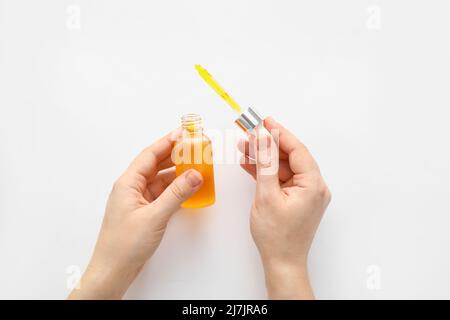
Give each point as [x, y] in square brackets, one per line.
[191, 122]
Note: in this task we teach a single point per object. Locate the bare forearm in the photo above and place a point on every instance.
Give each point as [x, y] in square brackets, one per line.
[102, 284]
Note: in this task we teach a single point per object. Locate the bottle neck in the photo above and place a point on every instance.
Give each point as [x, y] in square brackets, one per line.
[192, 123]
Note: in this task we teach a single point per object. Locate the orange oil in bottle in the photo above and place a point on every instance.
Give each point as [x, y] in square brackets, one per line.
[193, 150]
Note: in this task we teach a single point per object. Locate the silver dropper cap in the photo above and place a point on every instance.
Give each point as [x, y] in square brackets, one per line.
[249, 119]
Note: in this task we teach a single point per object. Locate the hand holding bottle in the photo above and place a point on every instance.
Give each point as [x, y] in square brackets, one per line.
[138, 210]
[288, 206]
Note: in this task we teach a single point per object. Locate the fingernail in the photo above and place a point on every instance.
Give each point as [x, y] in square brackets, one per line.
[264, 155]
[194, 178]
[264, 159]
[271, 119]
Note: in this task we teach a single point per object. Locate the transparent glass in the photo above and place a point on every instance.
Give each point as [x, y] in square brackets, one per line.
[194, 151]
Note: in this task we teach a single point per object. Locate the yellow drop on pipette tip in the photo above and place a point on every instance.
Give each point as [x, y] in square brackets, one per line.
[217, 88]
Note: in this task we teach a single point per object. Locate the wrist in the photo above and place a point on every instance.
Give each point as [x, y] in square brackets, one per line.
[288, 281]
[102, 282]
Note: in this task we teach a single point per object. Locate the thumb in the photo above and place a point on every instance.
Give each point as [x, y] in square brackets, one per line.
[267, 163]
[178, 191]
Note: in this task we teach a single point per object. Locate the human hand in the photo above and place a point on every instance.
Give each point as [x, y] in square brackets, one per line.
[288, 206]
[138, 210]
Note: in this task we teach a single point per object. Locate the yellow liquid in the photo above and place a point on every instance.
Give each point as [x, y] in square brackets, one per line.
[217, 88]
[200, 159]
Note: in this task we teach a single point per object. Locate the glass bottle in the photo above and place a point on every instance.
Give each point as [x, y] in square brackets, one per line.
[193, 150]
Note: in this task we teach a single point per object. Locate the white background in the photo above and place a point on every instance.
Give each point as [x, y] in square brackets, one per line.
[364, 84]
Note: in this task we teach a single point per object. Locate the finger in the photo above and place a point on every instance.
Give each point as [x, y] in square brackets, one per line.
[162, 180]
[247, 166]
[267, 164]
[165, 164]
[300, 160]
[181, 189]
[146, 164]
[284, 171]
[247, 147]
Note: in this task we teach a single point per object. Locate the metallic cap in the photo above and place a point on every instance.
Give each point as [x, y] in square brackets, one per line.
[249, 119]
